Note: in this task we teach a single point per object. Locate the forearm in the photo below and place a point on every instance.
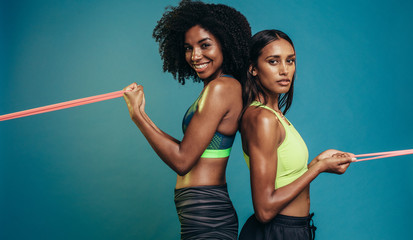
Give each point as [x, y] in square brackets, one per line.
[167, 147]
[148, 120]
[281, 197]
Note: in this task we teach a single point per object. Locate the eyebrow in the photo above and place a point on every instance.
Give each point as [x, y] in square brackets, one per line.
[278, 56]
[200, 41]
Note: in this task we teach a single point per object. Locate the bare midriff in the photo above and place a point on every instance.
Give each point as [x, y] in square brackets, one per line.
[300, 206]
[207, 171]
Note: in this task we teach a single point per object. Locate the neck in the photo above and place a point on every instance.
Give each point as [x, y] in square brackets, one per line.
[272, 101]
[211, 78]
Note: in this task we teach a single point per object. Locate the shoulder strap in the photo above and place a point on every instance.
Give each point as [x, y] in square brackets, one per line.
[259, 104]
[227, 75]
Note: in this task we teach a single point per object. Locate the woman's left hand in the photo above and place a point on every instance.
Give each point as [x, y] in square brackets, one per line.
[135, 99]
[326, 154]
[330, 153]
[337, 163]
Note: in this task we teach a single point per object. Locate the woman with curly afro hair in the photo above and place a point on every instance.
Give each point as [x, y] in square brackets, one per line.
[207, 43]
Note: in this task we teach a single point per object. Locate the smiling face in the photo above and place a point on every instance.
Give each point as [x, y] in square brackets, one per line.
[203, 53]
[275, 67]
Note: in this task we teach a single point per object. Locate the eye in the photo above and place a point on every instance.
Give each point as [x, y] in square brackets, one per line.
[291, 61]
[205, 45]
[273, 62]
[187, 48]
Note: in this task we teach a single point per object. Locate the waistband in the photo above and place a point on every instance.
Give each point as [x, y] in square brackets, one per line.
[206, 187]
[199, 195]
[291, 221]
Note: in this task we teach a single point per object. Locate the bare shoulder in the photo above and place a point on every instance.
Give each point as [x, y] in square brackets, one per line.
[257, 121]
[224, 85]
[260, 131]
[223, 92]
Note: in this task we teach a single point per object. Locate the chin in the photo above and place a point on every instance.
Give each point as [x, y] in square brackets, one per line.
[282, 91]
[202, 76]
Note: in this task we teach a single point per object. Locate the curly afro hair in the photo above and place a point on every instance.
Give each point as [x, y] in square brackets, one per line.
[228, 25]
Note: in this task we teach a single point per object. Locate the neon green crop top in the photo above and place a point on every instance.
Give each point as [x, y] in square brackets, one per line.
[292, 154]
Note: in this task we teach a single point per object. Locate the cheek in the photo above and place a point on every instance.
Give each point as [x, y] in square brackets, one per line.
[268, 73]
[188, 57]
[221, 59]
[264, 78]
[217, 55]
[292, 72]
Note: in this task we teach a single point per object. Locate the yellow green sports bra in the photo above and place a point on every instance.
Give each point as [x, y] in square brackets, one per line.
[292, 154]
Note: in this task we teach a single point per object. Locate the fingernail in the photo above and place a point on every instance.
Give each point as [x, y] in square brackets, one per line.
[353, 159]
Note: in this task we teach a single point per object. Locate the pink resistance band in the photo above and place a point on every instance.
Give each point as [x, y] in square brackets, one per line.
[107, 96]
[63, 105]
[371, 156]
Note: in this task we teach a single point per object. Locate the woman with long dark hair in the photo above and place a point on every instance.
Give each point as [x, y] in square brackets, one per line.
[275, 152]
[207, 43]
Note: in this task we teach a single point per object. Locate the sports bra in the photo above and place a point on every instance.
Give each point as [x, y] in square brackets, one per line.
[292, 154]
[220, 145]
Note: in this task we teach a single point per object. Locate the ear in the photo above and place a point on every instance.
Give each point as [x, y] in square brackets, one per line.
[252, 70]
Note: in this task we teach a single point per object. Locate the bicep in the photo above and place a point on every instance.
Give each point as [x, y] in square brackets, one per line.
[262, 141]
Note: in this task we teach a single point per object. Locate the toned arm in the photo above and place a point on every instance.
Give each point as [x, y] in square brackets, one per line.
[217, 100]
[263, 134]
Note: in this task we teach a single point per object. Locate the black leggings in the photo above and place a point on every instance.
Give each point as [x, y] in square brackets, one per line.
[279, 228]
[206, 212]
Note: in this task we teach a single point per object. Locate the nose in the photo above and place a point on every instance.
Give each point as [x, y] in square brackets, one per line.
[196, 54]
[283, 69]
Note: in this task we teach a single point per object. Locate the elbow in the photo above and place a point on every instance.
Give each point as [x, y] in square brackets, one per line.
[182, 171]
[179, 164]
[183, 168]
[182, 164]
[263, 216]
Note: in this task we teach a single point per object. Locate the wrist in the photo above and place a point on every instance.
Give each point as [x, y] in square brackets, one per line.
[313, 162]
[319, 167]
[137, 116]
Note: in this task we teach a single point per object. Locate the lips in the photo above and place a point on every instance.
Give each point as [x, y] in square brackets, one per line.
[200, 67]
[284, 82]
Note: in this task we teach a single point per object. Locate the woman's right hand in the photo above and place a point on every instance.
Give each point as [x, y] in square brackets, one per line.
[337, 163]
[135, 99]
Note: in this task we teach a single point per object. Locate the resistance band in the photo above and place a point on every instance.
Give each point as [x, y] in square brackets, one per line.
[371, 156]
[107, 96]
[63, 105]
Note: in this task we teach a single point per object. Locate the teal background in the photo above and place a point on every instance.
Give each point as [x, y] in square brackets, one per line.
[88, 173]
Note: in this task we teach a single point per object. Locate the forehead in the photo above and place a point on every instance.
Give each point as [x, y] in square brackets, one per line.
[197, 33]
[280, 47]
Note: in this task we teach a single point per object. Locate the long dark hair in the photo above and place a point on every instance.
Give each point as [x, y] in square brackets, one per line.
[253, 88]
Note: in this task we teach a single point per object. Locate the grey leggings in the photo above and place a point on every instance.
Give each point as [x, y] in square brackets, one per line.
[206, 212]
